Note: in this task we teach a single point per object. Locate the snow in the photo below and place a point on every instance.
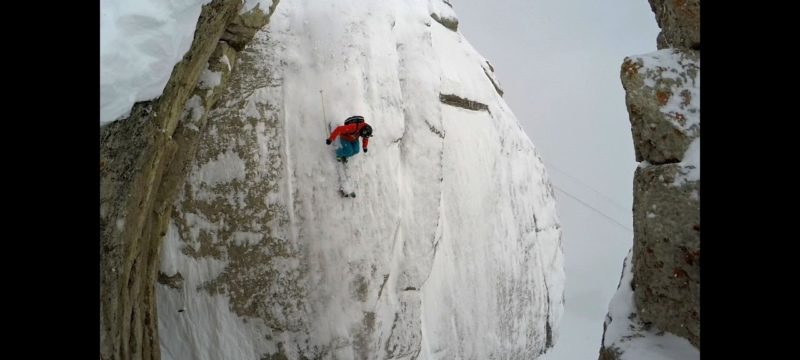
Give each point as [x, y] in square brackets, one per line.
[442, 9]
[690, 164]
[225, 169]
[209, 79]
[264, 5]
[454, 232]
[140, 43]
[462, 73]
[635, 341]
[227, 62]
[195, 106]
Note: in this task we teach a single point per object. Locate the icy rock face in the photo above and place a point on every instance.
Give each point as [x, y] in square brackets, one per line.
[452, 247]
[656, 311]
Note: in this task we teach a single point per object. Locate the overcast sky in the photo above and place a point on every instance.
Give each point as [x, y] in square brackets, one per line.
[558, 62]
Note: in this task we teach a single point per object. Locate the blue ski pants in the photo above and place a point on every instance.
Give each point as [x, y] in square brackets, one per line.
[347, 148]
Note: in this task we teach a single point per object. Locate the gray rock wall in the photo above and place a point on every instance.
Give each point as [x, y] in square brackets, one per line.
[663, 100]
[143, 160]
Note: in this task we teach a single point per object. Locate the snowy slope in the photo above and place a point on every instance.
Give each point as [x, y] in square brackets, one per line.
[452, 248]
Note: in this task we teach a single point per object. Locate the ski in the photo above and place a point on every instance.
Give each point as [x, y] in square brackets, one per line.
[343, 182]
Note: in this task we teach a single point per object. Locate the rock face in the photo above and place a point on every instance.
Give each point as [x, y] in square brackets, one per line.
[667, 253]
[661, 91]
[679, 21]
[143, 161]
[452, 247]
[666, 209]
[663, 100]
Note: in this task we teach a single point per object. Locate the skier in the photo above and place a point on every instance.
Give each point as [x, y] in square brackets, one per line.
[353, 127]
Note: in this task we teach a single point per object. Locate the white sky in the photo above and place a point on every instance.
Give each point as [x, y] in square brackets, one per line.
[559, 63]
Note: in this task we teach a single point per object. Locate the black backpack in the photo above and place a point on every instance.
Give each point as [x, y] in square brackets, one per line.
[354, 120]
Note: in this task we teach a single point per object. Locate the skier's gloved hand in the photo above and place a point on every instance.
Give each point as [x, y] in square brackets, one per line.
[327, 141]
[365, 149]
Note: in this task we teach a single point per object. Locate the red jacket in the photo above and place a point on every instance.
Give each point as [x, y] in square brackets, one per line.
[349, 133]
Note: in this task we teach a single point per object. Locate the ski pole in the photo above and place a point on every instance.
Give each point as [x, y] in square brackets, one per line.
[322, 99]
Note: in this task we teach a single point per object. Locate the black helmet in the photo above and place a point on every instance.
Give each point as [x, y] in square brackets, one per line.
[366, 131]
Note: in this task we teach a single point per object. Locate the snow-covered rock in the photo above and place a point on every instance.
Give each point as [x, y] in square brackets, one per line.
[452, 247]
